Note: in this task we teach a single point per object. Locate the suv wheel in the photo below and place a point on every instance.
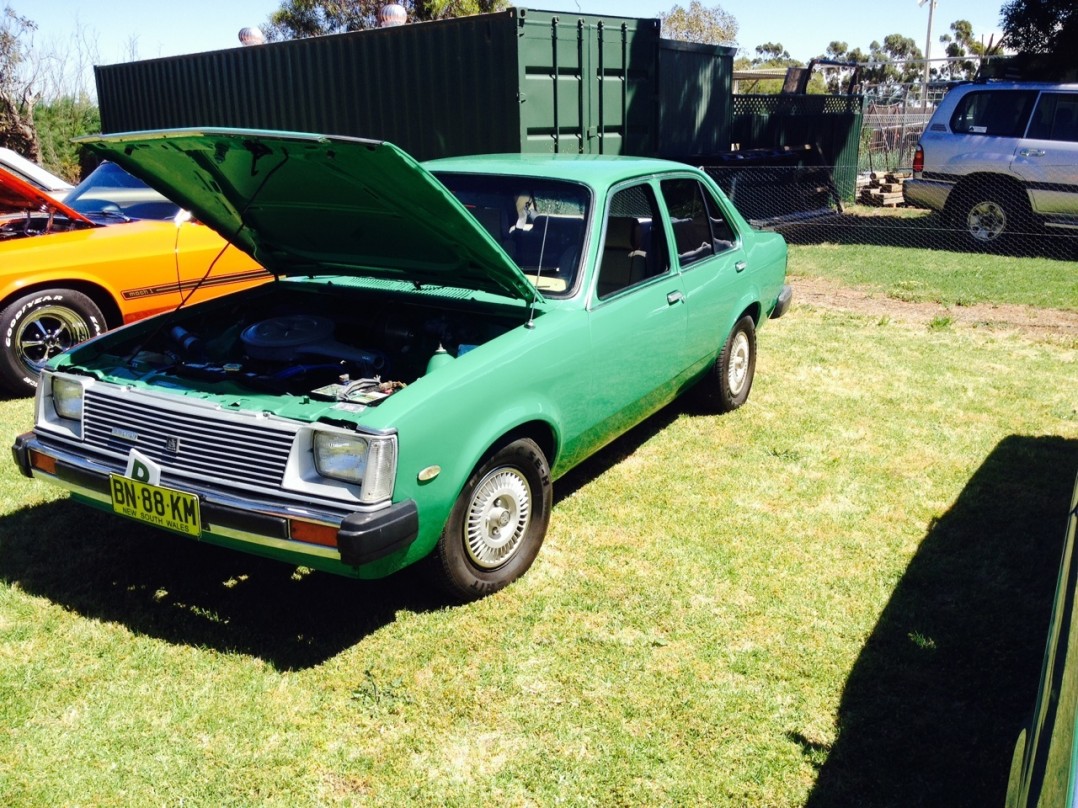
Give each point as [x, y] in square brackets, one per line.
[988, 218]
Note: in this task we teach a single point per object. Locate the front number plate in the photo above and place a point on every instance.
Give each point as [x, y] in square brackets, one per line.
[162, 507]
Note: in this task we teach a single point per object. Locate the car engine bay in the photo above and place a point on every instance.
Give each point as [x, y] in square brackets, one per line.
[345, 347]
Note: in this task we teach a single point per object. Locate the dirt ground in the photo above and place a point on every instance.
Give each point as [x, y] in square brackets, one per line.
[1045, 323]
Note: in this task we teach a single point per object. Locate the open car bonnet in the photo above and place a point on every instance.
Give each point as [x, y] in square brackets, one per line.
[19, 196]
[305, 204]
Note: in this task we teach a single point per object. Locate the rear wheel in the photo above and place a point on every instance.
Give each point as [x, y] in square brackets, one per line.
[497, 524]
[728, 381]
[989, 217]
[38, 326]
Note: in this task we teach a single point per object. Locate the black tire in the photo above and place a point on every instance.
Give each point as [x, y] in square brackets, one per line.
[991, 217]
[38, 326]
[728, 381]
[476, 555]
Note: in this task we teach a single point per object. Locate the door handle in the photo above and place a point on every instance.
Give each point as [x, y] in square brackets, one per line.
[675, 297]
[740, 266]
[1031, 152]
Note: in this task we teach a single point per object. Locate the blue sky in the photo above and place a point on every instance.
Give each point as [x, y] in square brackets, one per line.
[151, 29]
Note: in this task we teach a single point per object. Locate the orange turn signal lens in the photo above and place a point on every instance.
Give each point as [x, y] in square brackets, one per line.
[312, 533]
[43, 462]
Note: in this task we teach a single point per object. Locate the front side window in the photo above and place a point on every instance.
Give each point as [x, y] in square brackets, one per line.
[1002, 113]
[634, 249]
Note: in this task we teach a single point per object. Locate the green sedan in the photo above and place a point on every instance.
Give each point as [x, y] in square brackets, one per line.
[441, 343]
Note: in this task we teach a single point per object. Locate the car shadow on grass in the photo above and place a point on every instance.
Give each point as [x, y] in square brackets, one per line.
[934, 703]
[155, 583]
[182, 591]
[618, 450]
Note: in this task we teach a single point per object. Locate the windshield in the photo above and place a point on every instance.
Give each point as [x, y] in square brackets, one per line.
[539, 223]
[112, 195]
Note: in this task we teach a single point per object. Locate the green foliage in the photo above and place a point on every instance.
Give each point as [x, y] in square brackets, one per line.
[1036, 26]
[772, 55]
[899, 61]
[886, 63]
[57, 124]
[711, 26]
[297, 19]
[960, 44]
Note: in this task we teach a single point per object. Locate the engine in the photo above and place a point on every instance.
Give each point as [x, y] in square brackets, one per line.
[359, 351]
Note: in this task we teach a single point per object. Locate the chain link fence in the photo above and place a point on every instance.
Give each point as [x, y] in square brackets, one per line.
[811, 202]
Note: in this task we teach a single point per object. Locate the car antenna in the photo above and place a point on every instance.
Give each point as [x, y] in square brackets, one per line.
[538, 274]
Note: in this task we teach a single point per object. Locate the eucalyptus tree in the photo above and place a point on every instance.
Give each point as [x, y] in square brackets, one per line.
[1036, 26]
[17, 93]
[297, 19]
[708, 25]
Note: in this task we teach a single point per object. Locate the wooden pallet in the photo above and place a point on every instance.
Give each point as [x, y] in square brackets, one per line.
[881, 190]
[880, 199]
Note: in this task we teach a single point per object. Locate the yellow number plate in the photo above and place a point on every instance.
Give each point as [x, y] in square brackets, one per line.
[163, 507]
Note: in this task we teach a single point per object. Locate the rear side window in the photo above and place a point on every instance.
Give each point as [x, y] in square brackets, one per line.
[1056, 118]
[700, 230]
[1002, 113]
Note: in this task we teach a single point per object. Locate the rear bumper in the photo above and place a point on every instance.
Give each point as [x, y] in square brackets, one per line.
[931, 194]
[260, 526]
[786, 297]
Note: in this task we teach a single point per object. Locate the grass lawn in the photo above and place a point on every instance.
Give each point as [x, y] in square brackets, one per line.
[909, 255]
[835, 596]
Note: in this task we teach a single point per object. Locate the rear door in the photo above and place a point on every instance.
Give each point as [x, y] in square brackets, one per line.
[711, 260]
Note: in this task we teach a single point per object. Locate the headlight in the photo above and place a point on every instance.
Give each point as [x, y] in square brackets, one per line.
[343, 457]
[366, 461]
[67, 398]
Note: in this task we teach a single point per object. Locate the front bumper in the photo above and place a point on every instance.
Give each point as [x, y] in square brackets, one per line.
[264, 527]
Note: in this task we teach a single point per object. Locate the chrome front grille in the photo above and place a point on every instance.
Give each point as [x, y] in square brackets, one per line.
[203, 442]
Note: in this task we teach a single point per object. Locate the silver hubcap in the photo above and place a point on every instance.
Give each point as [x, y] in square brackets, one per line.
[738, 369]
[986, 221]
[497, 517]
[49, 331]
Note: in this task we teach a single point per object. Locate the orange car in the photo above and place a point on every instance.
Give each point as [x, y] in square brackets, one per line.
[113, 252]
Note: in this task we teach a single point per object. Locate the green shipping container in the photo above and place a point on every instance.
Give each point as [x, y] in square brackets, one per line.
[514, 81]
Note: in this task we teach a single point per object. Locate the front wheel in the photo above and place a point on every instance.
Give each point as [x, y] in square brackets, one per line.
[497, 523]
[727, 383]
[38, 326]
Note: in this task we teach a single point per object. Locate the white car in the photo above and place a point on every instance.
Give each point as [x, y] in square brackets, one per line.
[1000, 158]
[34, 174]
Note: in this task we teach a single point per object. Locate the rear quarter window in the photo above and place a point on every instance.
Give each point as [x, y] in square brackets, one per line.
[1000, 113]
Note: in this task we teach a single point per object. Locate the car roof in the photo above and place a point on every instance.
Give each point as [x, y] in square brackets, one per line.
[596, 170]
[32, 172]
[995, 84]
